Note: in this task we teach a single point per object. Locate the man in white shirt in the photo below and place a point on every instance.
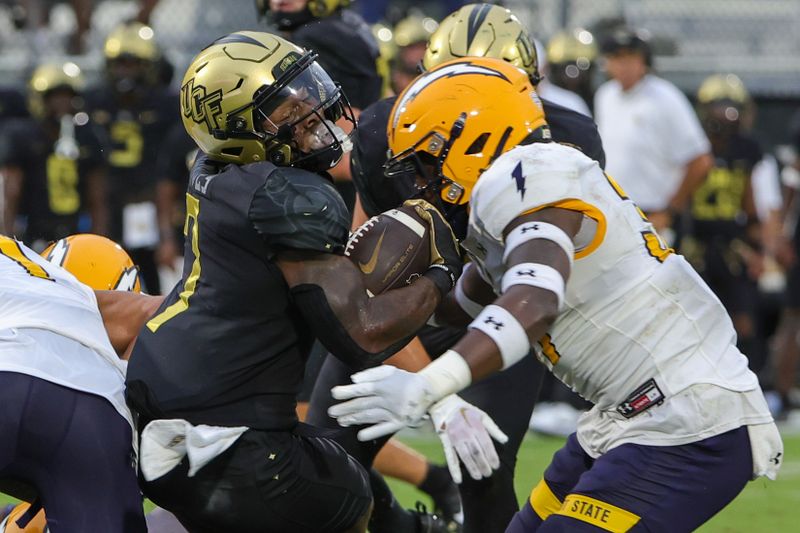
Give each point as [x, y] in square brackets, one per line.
[656, 149]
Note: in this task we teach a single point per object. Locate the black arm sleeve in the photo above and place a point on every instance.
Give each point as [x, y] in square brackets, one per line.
[310, 300]
[299, 210]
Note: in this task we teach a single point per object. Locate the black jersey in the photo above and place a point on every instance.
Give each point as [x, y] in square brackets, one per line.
[379, 193]
[12, 104]
[718, 205]
[135, 133]
[347, 51]
[54, 188]
[226, 346]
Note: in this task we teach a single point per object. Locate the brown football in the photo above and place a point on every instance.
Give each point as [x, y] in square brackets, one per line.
[391, 249]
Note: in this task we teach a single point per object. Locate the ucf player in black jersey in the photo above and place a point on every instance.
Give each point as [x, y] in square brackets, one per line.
[474, 30]
[725, 233]
[136, 111]
[52, 162]
[264, 273]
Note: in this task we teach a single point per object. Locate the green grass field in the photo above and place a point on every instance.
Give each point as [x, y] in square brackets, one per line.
[764, 506]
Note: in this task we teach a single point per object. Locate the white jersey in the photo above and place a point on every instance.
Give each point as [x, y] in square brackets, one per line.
[50, 327]
[639, 327]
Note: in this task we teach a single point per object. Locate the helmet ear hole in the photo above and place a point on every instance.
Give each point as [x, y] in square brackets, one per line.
[477, 145]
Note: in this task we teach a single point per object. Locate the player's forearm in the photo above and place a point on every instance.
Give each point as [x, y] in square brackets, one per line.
[166, 196]
[413, 357]
[396, 314]
[97, 202]
[533, 309]
[12, 191]
[696, 171]
[124, 314]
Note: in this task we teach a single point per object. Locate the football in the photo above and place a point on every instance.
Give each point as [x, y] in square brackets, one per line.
[391, 249]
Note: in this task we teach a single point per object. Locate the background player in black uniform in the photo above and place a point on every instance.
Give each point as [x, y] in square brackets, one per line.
[724, 245]
[172, 167]
[136, 111]
[53, 162]
[263, 269]
[489, 503]
[347, 51]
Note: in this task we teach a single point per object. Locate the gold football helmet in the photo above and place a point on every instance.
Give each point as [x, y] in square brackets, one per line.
[51, 76]
[132, 57]
[96, 261]
[38, 523]
[483, 30]
[253, 96]
[453, 121]
[719, 87]
[413, 29]
[133, 40]
[577, 46]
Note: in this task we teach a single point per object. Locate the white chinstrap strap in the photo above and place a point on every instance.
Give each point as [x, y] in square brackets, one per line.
[539, 230]
[536, 275]
[471, 307]
[506, 332]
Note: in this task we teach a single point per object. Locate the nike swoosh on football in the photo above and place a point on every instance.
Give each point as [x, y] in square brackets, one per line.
[369, 266]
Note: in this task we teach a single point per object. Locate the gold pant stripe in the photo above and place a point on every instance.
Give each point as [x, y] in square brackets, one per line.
[598, 513]
[543, 501]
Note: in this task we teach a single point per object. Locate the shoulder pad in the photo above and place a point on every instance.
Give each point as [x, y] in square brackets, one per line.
[522, 180]
[576, 129]
[300, 210]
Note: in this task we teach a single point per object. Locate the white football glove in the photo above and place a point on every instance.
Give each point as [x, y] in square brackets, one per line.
[466, 432]
[384, 396]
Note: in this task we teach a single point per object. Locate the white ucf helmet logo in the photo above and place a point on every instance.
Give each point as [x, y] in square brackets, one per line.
[455, 69]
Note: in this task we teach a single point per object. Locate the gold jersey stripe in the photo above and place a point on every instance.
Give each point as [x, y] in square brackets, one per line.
[11, 249]
[588, 210]
[598, 513]
[543, 501]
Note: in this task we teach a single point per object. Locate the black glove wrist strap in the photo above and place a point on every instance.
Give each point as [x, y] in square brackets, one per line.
[442, 277]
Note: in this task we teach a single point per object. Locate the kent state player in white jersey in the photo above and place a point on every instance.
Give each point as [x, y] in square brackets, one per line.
[66, 430]
[563, 261]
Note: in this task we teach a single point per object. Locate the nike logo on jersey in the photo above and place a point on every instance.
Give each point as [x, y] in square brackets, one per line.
[519, 179]
[369, 266]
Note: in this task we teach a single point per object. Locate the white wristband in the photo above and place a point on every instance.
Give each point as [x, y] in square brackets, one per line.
[448, 374]
[539, 230]
[506, 332]
[471, 307]
[536, 275]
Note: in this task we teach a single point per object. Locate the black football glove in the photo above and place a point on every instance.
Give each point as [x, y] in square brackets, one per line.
[446, 260]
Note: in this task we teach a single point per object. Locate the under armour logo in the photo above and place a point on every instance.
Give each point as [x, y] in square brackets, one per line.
[497, 325]
[776, 459]
[531, 272]
[534, 227]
